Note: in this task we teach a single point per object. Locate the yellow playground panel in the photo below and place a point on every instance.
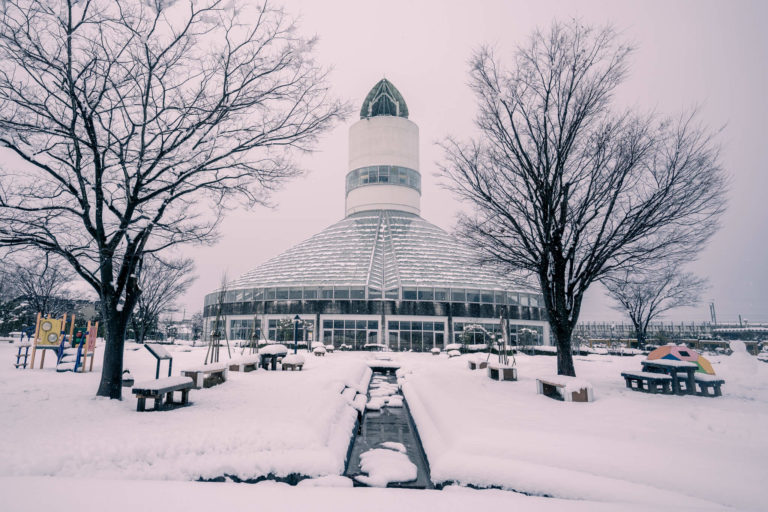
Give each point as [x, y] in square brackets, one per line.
[48, 335]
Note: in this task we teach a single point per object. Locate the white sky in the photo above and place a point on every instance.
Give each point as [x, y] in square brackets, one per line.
[707, 53]
[712, 54]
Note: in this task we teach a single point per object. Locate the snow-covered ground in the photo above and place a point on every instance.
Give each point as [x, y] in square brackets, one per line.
[626, 445]
[625, 451]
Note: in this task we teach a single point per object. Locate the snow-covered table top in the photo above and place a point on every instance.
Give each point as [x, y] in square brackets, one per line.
[162, 383]
[212, 367]
[648, 375]
[273, 350]
[669, 363]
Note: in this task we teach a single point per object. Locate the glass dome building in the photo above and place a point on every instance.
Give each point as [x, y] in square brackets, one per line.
[383, 274]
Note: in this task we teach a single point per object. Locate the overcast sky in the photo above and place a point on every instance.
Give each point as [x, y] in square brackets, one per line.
[712, 54]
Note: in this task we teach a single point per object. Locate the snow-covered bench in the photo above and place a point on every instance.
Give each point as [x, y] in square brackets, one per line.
[708, 385]
[208, 375]
[563, 387]
[648, 382]
[246, 363]
[162, 388]
[292, 362]
[497, 371]
[477, 364]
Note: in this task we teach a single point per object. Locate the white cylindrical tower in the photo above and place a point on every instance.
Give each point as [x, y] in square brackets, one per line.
[383, 155]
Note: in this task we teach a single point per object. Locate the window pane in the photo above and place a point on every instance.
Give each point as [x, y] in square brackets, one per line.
[473, 295]
[441, 294]
[458, 295]
[361, 324]
[499, 298]
[357, 293]
[409, 293]
[373, 324]
[310, 293]
[486, 298]
[295, 293]
[393, 326]
[327, 324]
[341, 293]
[439, 326]
[326, 293]
[282, 293]
[338, 324]
[426, 294]
[405, 326]
[512, 299]
[270, 294]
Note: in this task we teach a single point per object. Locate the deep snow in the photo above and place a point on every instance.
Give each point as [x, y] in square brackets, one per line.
[626, 450]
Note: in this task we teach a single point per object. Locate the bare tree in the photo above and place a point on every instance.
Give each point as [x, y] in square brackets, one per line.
[161, 283]
[130, 118]
[647, 294]
[566, 189]
[42, 281]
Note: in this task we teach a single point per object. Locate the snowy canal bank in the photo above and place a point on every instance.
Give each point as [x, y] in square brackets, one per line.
[625, 451]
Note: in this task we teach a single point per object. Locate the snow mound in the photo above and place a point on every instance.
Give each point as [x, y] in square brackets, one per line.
[391, 445]
[293, 359]
[375, 404]
[384, 466]
[274, 349]
[326, 481]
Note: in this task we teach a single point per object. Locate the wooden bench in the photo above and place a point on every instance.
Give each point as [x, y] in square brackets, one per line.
[160, 389]
[500, 372]
[244, 364]
[208, 375]
[563, 387]
[477, 365]
[708, 385]
[648, 382]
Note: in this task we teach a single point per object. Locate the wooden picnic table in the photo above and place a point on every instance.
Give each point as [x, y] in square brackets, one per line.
[675, 369]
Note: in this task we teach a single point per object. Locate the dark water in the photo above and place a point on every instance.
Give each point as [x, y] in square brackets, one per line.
[390, 424]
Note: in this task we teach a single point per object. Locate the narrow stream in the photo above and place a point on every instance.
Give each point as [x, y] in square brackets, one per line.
[390, 424]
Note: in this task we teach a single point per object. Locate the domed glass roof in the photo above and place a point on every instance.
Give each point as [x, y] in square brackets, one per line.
[381, 250]
[384, 100]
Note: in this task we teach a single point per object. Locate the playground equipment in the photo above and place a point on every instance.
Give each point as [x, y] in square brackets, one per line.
[75, 358]
[22, 352]
[51, 334]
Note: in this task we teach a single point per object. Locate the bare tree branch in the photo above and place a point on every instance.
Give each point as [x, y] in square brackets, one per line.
[567, 189]
[138, 123]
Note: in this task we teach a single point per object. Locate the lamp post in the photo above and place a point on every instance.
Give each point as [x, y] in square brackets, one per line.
[296, 321]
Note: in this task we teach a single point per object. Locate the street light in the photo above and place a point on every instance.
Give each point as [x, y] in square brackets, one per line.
[296, 321]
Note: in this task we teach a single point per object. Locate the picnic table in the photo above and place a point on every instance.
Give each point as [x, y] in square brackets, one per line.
[208, 375]
[682, 373]
[160, 389]
[246, 363]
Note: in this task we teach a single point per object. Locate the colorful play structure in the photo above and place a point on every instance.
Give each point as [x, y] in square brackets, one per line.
[72, 346]
[682, 353]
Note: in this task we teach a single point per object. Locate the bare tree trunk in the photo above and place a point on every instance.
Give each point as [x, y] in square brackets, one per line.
[112, 370]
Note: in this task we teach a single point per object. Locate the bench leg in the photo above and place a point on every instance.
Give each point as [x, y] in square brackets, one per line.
[169, 398]
[184, 396]
[159, 402]
[141, 405]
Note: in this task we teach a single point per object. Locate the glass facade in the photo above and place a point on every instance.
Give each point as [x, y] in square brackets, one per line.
[416, 336]
[519, 334]
[243, 329]
[354, 334]
[281, 329]
[384, 175]
[420, 293]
